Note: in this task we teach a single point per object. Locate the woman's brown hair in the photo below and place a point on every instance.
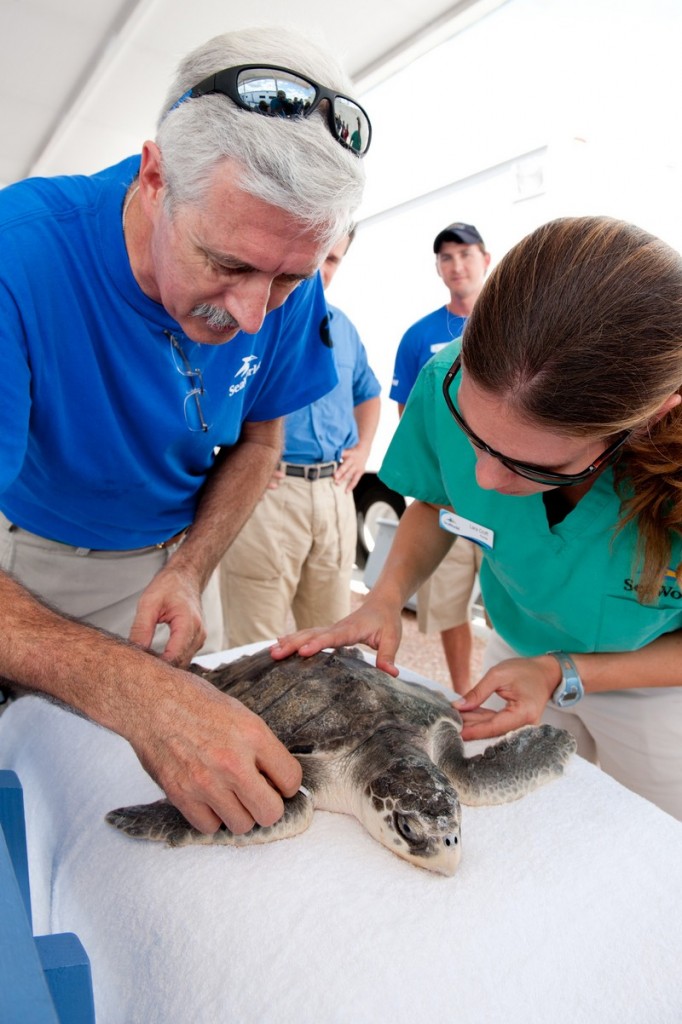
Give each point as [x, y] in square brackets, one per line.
[579, 327]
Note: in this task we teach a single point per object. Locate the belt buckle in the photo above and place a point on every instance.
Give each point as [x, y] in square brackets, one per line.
[313, 472]
[171, 540]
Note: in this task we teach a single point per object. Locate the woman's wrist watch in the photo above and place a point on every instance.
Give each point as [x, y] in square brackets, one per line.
[570, 690]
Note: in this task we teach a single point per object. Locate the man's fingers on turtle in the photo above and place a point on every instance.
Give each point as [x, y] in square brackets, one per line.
[264, 802]
[177, 654]
[282, 771]
[184, 641]
[201, 817]
[142, 630]
[232, 812]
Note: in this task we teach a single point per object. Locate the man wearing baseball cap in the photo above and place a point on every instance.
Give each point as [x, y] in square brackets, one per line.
[442, 602]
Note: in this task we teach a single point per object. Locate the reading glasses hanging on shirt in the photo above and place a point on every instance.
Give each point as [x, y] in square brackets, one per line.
[279, 92]
[195, 417]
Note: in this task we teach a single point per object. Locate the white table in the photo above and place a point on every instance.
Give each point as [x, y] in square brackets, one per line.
[567, 907]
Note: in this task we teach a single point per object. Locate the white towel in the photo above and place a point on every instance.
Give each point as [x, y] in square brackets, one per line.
[566, 909]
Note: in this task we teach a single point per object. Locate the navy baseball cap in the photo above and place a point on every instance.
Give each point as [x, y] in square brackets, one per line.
[466, 234]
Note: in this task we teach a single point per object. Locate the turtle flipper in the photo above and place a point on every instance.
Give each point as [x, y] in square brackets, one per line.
[163, 822]
[505, 771]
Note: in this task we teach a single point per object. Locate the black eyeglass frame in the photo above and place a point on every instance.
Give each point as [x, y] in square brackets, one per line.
[526, 469]
[226, 82]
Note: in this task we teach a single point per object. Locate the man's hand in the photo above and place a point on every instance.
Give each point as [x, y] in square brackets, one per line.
[172, 597]
[275, 480]
[352, 467]
[216, 760]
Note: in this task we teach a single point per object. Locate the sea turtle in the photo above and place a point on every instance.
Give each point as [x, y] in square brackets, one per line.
[385, 750]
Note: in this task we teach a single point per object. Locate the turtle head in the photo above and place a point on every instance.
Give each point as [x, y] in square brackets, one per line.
[412, 809]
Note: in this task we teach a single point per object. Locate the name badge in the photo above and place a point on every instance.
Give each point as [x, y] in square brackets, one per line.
[480, 535]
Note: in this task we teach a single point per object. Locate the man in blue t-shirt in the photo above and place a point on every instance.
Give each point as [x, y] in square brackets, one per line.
[158, 321]
[296, 552]
[443, 601]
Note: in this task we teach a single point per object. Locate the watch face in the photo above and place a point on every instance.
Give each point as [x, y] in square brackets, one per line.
[571, 695]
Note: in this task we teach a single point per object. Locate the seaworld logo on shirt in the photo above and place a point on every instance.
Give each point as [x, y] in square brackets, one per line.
[246, 370]
[669, 587]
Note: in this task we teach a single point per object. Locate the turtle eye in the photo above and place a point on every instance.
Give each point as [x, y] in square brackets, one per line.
[406, 828]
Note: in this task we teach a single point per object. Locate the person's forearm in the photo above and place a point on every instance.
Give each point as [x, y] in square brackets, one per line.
[418, 548]
[367, 418]
[657, 664]
[96, 674]
[215, 759]
[354, 460]
[240, 477]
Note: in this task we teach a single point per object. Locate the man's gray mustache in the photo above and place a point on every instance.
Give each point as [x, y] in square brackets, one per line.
[214, 316]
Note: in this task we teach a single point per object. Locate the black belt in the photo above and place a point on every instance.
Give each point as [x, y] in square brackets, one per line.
[313, 472]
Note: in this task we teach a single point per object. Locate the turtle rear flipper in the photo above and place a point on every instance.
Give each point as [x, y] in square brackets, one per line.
[164, 822]
[508, 770]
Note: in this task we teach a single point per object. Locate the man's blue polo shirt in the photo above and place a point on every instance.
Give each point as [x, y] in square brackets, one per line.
[96, 450]
[321, 431]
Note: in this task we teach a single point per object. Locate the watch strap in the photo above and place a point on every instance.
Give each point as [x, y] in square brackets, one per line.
[570, 690]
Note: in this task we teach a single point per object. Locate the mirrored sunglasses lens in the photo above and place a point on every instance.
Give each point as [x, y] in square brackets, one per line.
[352, 125]
[263, 90]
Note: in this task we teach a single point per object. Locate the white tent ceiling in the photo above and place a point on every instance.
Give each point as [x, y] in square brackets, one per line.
[81, 80]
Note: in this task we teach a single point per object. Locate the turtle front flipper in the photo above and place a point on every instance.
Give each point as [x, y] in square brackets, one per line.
[163, 822]
[505, 771]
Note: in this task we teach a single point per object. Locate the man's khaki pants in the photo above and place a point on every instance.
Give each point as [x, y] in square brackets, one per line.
[99, 587]
[443, 600]
[294, 556]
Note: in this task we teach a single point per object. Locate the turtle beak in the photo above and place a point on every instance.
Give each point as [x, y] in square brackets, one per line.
[448, 857]
[442, 854]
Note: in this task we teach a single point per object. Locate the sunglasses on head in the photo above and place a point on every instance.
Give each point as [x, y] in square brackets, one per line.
[279, 92]
[526, 469]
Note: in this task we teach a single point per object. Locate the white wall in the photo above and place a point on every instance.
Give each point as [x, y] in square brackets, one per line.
[543, 109]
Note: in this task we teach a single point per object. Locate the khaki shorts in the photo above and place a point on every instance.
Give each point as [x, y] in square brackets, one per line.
[633, 735]
[294, 556]
[443, 601]
[99, 587]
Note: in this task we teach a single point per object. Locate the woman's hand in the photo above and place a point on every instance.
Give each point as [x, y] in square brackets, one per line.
[374, 624]
[525, 684]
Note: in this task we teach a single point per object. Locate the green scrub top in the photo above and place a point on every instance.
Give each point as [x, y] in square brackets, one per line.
[569, 587]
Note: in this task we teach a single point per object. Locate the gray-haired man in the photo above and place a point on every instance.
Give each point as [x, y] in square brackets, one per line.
[119, 295]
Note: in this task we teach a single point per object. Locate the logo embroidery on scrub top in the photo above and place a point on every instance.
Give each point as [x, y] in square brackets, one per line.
[669, 588]
[246, 370]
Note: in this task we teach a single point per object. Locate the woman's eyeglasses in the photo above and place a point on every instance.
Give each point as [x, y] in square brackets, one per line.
[525, 469]
[279, 92]
[194, 414]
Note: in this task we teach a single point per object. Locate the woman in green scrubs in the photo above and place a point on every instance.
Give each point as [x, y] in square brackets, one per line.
[554, 439]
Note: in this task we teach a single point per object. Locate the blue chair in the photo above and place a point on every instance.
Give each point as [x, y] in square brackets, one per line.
[43, 979]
